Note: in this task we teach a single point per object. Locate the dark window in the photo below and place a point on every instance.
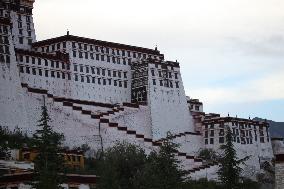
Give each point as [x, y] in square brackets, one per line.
[52, 74]
[221, 140]
[27, 70]
[206, 141]
[93, 80]
[52, 64]
[45, 62]
[81, 68]
[88, 80]
[125, 84]
[39, 61]
[21, 69]
[74, 53]
[177, 84]
[109, 73]
[98, 71]
[76, 77]
[58, 74]
[40, 72]
[92, 56]
[86, 55]
[57, 64]
[212, 133]
[8, 59]
[154, 81]
[82, 78]
[211, 140]
[114, 73]
[87, 69]
[161, 82]
[46, 73]
[64, 45]
[80, 55]
[97, 57]
[63, 76]
[27, 59]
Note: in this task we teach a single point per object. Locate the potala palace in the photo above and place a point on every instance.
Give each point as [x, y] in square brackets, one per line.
[100, 92]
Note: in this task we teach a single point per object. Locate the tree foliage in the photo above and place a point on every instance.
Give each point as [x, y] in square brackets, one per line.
[49, 164]
[230, 170]
[127, 166]
[119, 166]
[162, 170]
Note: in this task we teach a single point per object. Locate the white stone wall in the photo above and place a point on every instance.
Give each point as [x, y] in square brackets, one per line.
[279, 175]
[169, 110]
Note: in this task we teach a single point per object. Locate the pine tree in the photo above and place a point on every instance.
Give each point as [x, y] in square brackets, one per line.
[4, 154]
[49, 164]
[230, 170]
[162, 170]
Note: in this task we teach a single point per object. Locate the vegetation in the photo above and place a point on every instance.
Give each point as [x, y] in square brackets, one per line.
[230, 170]
[209, 155]
[49, 164]
[127, 166]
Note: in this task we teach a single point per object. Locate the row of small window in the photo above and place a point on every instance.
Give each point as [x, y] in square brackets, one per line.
[20, 26]
[28, 32]
[46, 73]
[107, 50]
[81, 78]
[165, 74]
[166, 83]
[22, 40]
[101, 81]
[27, 18]
[100, 57]
[5, 58]
[53, 64]
[221, 133]
[4, 39]
[53, 47]
[211, 140]
[100, 71]
[4, 29]
[4, 49]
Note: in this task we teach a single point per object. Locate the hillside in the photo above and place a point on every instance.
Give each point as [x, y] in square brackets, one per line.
[276, 128]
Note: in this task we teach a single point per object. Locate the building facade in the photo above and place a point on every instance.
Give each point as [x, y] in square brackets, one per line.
[100, 92]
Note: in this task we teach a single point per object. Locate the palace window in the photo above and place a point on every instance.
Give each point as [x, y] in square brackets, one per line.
[113, 60]
[104, 81]
[109, 73]
[221, 140]
[93, 70]
[92, 56]
[46, 73]
[21, 69]
[102, 57]
[39, 61]
[93, 80]
[177, 84]
[57, 64]
[97, 57]
[63, 75]
[86, 55]
[8, 59]
[119, 74]
[120, 83]
[125, 74]
[45, 62]
[76, 77]
[27, 59]
[58, 74]
[211, 140]
[153, 72]
[74, 54]
[206, 141]
[108, 58]
[99, 81]
[109, 81]
[40, 72]
[114, 73]
[21, 40]
[87, 69]
[98, 71]
[75, 67]
[211, 133]
[88, 80]
[81, 68]
[52, 64]
[82, 78]
[80, 55]
[161, 82]
[52, 74]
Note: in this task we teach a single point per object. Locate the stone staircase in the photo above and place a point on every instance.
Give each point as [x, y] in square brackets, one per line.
[188, 162]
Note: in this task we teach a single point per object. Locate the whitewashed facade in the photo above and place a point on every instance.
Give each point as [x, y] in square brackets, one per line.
[99, 92]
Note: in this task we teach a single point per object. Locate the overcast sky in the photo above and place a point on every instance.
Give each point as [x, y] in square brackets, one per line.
[231, 52]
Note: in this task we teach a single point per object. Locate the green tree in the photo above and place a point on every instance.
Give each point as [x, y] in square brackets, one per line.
[230, 170]
[4, 154]
[49, 164]
[119, 166]
[162, 170]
